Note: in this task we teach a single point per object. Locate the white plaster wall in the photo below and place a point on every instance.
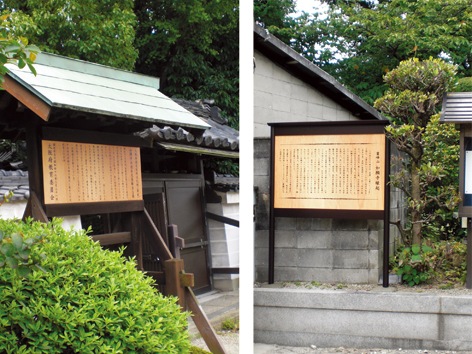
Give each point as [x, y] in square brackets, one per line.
[16, 209]
[224, 238]
[281, 97]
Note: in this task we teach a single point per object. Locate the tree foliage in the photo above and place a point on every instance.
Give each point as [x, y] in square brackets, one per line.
[97, 31]
[360, 41]
[13, 49]
[415, 92]
[193, 47]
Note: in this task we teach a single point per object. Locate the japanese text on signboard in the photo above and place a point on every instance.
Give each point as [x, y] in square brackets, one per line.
[84, 173]
[330, 172]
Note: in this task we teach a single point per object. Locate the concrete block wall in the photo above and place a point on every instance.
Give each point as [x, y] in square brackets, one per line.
[309, 249]
[388, 320]
[281, 97]
[322, 250]
[224, 240]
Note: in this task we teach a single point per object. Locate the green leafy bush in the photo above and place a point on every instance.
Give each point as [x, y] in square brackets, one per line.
[89, 301]
[445, 262]
[413, 265]
[464, 85]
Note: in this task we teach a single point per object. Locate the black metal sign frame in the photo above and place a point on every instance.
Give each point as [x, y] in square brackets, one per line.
[329, 128]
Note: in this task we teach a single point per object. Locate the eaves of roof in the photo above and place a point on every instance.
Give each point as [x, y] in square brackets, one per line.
[300, 67]
[457, 108]
[86, 87]
[219, 140]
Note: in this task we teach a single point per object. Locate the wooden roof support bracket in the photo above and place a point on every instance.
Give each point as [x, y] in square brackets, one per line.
[26, 97]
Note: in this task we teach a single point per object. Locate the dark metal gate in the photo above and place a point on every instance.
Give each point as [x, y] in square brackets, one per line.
[179, 201]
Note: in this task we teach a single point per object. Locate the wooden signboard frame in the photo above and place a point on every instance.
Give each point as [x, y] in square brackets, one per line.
[84, 139]
[465, 207]
[304, 159]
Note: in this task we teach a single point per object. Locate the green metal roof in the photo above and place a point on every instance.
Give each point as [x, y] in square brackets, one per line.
[82, 86]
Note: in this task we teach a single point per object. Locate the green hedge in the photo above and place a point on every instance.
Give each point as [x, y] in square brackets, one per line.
[89, 301]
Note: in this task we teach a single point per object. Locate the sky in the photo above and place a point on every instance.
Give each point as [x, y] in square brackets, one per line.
[308, 6]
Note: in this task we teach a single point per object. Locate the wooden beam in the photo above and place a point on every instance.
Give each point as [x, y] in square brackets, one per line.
[113, 238]
[94, 208]
[37, 209]
[159, 277]
[203, 324]
[93, 137]
[173, 270]
[156, 238]
[29, 99]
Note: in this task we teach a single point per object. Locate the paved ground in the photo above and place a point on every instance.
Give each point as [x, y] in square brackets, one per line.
[218, 306]
[276, 349]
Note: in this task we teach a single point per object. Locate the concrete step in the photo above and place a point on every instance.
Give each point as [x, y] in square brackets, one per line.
[218, 306]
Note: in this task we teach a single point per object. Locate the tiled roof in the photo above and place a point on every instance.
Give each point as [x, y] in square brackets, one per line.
[219, 137]
[16, 181]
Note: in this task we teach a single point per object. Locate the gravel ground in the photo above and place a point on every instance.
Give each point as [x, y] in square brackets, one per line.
[458, 289]
[230, 341]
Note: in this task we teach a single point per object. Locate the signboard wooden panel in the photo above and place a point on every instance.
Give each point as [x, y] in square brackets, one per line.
[88, 173]
[338, 172]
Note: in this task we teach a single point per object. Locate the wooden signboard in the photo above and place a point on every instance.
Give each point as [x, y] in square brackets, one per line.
[330, 172]
[465, 171]
[84, 173]
[335, 170]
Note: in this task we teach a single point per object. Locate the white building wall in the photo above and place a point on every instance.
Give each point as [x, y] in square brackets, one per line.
[224, 240]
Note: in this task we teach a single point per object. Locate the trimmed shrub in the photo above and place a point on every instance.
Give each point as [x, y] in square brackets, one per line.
[89, 301]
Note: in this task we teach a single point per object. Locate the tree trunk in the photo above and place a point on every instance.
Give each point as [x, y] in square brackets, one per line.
[415, 196]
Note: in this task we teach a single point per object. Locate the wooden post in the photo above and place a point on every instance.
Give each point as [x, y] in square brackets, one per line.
[136, 239]
[176, 243]
[469, 254]
[203, 324]
[173, 270]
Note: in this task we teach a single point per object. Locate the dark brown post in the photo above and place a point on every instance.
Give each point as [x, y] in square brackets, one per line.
[469, 254]
[271, 209]
[386, 246]
[136, 239]
[173, 269]
[176, 243]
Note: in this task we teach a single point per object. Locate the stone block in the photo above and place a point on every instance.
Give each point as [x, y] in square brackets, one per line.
[281, 75]
[321, 224]
[261, 238]
[353, 240]
[374, 259]
[351, 259]
[314, 239]
[315, 111]
[262, 183]
[298, 108]
[374, 237]
[261, 130]
[328, 114]
[262, 148]
[285, 239]
[261, 167]
[299, 92]
[311, 258]
[304, 224]
[287, 257]
[286, 223]
[281, 103]
[346, 224]
[261, 256]
[263, 99]
[343, 115]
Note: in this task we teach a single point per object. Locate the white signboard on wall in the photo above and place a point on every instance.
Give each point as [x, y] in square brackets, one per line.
[468, 173]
